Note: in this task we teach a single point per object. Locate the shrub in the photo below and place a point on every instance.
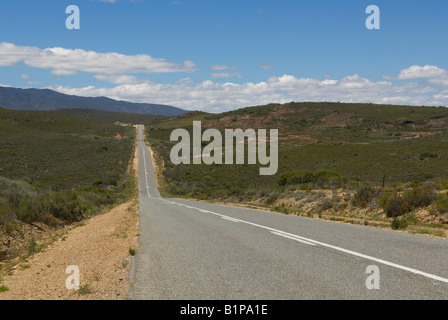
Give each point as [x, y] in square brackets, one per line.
[442, 204]
[403, 222]
[4, 289]
[363, 196]
[397, 224]
[396, 207]
[320, 178]
[420, 196]
[295, 177]
[428, 155]
[32, 246]
[324, 205]
[272, 198]
[8, 219]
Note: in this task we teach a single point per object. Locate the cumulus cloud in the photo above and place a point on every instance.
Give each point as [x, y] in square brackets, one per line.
[218, 97]
[419, 72]
[212, 96]
[63, 62]
[11, 54]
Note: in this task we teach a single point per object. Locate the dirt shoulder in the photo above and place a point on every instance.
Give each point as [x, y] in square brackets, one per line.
[100, 249]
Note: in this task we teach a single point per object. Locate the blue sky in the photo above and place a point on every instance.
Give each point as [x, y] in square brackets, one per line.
[218, 55]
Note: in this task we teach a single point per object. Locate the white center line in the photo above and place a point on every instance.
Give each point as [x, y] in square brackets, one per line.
[144, 164]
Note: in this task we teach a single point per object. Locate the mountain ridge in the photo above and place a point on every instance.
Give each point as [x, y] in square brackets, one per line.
[49, 100]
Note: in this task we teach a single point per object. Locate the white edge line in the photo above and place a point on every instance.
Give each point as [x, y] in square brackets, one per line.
[230, 219]
[354, 253]
[293, 238]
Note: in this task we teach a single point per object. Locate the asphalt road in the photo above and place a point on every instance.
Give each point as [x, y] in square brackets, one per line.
[192, 250]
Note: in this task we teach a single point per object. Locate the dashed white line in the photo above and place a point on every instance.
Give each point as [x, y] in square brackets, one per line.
[142, 146]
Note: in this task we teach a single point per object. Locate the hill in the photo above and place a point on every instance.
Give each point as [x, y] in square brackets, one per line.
[56, 169]
[47, 100]
[380, 151]
[358, 140]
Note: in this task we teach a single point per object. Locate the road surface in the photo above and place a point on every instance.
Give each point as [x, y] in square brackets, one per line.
[191, 250]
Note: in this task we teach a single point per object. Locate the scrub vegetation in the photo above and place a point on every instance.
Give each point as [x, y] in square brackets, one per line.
[353, 162]
[56, 169]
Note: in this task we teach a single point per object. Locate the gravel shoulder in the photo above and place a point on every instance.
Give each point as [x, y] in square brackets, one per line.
[100, 249]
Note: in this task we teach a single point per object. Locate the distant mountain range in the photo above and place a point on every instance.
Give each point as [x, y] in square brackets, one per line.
[45, 99]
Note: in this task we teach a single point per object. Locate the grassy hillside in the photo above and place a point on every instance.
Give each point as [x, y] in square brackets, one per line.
[56, 168]
[60, 151]
[321, 146]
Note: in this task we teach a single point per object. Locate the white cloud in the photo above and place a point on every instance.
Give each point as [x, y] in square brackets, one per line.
[222, 67]
[64, 62]
[186, 80]
[115, 68]
[218, 97]
[11, 54]
[266, 66]
[418, 72]
[225, 74]
[118, 78]
[443, 81]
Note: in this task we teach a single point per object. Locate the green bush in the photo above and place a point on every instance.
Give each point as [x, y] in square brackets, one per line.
[319, 178]
[19, 201]
[272, 198]
[403, 222]
[442, 204]
[418, 197]
[295, 177]
[363, 196]
[428, 155]
[396, 207]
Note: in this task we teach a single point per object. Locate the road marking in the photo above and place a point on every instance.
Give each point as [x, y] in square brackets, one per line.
[353, 253]
[293, 238]
[230, 219]
[303, 239]
[144, 162]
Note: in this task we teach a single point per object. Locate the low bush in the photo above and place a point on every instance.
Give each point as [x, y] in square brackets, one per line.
[396, 207]
[363, 196]
[403, 222]
[318, 178]
[419, 196]
[19, 201]
[442, 204]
